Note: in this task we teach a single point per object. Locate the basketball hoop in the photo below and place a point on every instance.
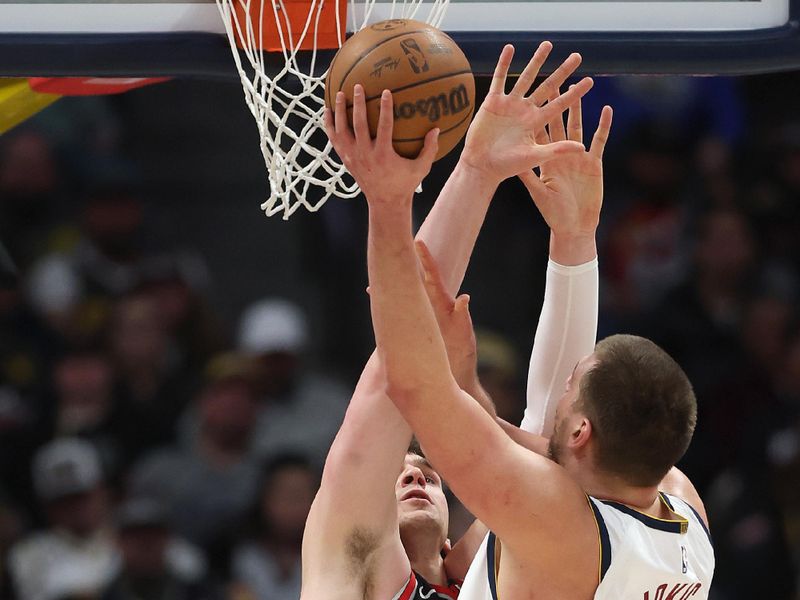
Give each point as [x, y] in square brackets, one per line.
[297, 154]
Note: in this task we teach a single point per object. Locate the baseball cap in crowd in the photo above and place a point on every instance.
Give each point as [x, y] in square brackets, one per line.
[66, 466]
[272, 325]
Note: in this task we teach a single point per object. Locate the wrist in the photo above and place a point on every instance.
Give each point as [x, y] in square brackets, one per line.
[572, 248]
[478, 172]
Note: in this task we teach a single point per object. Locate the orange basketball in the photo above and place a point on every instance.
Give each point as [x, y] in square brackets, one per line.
[430, 79]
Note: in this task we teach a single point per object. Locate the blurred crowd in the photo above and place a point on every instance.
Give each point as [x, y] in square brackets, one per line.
[152, 450]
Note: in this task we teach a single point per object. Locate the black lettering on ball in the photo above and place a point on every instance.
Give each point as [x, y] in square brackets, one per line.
[434, 107]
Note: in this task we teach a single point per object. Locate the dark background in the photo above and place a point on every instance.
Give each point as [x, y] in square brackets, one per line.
[699, 250]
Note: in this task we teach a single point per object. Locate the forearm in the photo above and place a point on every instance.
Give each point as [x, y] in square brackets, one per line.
[451, 228]
[566, 332]
[364, 459]
[409, 343]
[474, 388]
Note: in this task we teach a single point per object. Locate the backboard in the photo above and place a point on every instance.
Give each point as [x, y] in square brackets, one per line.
[126, 38]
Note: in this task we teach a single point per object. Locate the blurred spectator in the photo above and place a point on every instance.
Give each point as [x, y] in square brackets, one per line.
[176, 281]
[773, 199]
[300, 410]
[110, 252]
[78, 542]
[698, 320]
[783, 447]
[31, 193]
[269, 564]
[155, 564]
[644, 252]
[152, 387]
[752, 559]
[209, 486]
[83, 402]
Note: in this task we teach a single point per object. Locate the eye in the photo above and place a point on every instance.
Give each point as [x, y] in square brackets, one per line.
[430, 480]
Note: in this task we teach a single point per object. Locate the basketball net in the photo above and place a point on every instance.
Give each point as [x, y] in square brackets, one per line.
[288, 106]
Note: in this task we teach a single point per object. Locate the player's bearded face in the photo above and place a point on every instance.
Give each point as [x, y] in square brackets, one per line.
[421, 502]
[566, 412]
[555, 449]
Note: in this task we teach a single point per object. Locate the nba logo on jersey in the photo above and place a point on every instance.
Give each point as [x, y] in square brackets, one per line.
[684, 564]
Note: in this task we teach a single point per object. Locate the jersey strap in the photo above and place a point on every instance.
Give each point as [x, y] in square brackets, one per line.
[680, 525]
[605, 541]
[700, 520]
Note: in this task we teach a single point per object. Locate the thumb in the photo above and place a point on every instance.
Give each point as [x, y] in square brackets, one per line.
[430, 148]
[543, 153]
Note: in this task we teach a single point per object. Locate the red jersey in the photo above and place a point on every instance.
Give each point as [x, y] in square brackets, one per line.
[419, 589]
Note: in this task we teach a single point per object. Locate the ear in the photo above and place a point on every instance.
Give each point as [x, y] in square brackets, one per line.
[581, 433]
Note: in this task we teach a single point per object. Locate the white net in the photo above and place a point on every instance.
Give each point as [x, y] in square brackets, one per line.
[288, 104]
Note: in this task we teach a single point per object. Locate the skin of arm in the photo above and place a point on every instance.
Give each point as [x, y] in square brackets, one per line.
[368, 451]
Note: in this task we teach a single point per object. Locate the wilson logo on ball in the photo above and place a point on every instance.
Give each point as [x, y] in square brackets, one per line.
[435, 107]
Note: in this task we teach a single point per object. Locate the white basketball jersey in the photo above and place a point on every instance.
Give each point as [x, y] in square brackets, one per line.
[642, 557]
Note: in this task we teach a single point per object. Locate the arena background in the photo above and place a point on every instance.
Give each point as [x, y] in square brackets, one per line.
[135, 223]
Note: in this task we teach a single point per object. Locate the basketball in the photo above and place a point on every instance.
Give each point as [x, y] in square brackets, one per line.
[430, 79]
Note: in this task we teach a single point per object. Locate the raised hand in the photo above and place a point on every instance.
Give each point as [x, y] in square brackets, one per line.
[453, 318]
[381, 173]
[455, 325]
[501, 141]
[569, 190]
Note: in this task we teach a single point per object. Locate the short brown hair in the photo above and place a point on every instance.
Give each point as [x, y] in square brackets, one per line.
[642, 409]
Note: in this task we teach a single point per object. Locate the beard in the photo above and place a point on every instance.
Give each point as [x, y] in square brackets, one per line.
[554, 447]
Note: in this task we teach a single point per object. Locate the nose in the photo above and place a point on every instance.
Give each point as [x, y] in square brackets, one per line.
[413, 476]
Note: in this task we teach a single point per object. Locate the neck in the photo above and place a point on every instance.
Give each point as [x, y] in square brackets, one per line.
[426, 559]
[611, 487]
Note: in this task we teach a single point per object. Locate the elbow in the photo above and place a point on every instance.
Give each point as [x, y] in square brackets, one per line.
[403, 394]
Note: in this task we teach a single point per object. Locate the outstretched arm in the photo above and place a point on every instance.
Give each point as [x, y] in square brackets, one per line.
[569, 196]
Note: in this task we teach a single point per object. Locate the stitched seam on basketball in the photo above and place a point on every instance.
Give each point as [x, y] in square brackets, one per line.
[415, 84]
[370, 49]
[416, 139]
